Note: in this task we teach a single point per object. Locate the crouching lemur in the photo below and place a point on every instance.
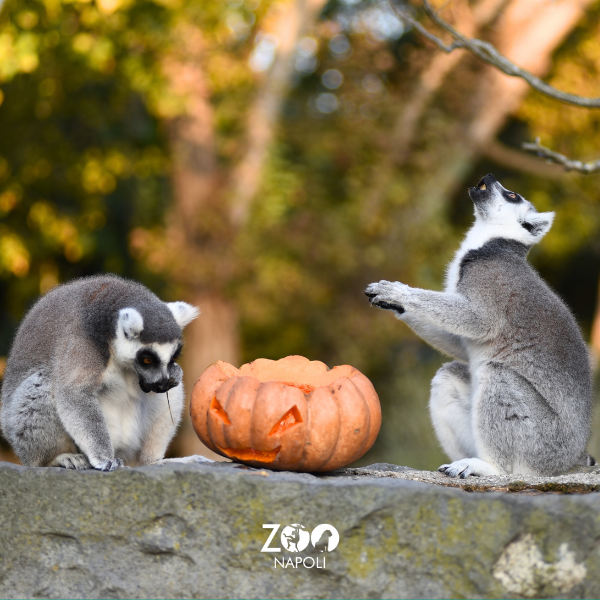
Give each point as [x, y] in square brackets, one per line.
[88, 374]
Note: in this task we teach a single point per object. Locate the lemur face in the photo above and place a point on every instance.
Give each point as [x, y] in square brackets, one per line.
[156, 367]
[507, 212]
[154, 363]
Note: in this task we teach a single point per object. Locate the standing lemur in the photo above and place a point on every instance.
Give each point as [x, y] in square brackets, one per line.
[518, 398]
[86, 379]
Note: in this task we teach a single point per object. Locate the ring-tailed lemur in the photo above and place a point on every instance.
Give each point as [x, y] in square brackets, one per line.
[86, 379]
[518, 399]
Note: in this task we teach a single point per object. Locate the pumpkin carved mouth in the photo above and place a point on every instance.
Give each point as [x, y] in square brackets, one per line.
[291, 418]
[292, 414]
[250, 454]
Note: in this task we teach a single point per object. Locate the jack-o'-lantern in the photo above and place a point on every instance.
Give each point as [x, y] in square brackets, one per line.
[292, 414]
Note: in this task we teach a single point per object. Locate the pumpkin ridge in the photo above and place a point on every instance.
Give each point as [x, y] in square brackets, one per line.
[349, 406]
[306, 458]
[362, 450]
[337, 441]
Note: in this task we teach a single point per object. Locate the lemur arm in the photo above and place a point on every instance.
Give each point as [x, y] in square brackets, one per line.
[452, 313]
[78, 407]
[447, 343]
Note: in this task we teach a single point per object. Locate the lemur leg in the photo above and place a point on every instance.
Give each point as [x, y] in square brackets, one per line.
[80, 413]
[450, 409]
[32, 426]
[516, 429]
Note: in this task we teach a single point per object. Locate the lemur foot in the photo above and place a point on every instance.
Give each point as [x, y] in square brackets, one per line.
[71, 461]
[469, 466]
[384, 295]
[109, 465]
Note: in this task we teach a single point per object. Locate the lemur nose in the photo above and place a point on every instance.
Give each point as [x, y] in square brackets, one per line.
[163, 386]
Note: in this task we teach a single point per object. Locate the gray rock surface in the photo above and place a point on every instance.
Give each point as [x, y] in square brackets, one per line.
[197, 531]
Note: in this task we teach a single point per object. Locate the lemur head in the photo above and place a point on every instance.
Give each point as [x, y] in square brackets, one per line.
[505, 214]
[149, 339]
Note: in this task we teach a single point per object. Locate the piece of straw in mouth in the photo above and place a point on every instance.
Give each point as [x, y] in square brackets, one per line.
[170, 408]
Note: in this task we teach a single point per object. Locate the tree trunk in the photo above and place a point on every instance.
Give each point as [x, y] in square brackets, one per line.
[213, 336]
[207, 213]
[265, 111]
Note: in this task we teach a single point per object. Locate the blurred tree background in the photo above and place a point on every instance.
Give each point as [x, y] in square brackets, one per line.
[266, 160]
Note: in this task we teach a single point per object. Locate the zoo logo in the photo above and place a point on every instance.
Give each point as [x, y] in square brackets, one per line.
[295, 537]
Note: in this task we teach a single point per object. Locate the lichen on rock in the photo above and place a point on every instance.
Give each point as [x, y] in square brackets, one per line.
[523, 572]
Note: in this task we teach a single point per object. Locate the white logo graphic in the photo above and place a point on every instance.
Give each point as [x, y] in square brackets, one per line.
[325, 538]
[295, 538]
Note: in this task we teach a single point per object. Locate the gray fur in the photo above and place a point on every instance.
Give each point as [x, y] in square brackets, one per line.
[76, 391]
[519, 398]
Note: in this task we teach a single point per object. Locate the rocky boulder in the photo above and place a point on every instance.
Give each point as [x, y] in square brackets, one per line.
[199, 531]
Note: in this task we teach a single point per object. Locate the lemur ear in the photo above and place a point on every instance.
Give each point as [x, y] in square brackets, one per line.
[183, 312]
[131, 322]
[538, 224]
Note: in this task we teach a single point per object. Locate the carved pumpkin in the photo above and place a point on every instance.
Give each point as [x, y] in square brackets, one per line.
[291, 414]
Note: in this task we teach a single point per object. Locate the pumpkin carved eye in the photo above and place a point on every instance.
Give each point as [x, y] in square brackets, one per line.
[219, 411]
[292, 417]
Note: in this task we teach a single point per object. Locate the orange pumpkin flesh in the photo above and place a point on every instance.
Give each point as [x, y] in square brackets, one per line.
[291, 414]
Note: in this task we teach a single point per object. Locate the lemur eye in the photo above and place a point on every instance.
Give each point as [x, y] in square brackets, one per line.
[147, 360]
[512, 197]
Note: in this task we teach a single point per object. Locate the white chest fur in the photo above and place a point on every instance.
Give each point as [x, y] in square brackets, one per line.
[123, 404]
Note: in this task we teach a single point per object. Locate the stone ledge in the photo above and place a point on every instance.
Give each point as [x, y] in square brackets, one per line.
[583, 480]
[197, 531]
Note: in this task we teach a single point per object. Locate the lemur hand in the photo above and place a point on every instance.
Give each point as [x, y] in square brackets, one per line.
[388, 295]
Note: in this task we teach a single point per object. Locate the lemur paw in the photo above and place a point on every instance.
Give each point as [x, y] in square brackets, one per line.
[469, 466]
[71, 461]
[388, 295]
[109, 465]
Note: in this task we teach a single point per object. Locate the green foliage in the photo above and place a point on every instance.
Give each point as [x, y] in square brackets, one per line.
[85, 165]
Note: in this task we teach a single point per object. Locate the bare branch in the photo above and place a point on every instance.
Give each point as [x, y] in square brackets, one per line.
[488, 53]
[517, 160]
[561, 159]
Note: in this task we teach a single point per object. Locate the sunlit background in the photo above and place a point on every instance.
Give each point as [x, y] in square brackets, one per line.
[266, 160]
